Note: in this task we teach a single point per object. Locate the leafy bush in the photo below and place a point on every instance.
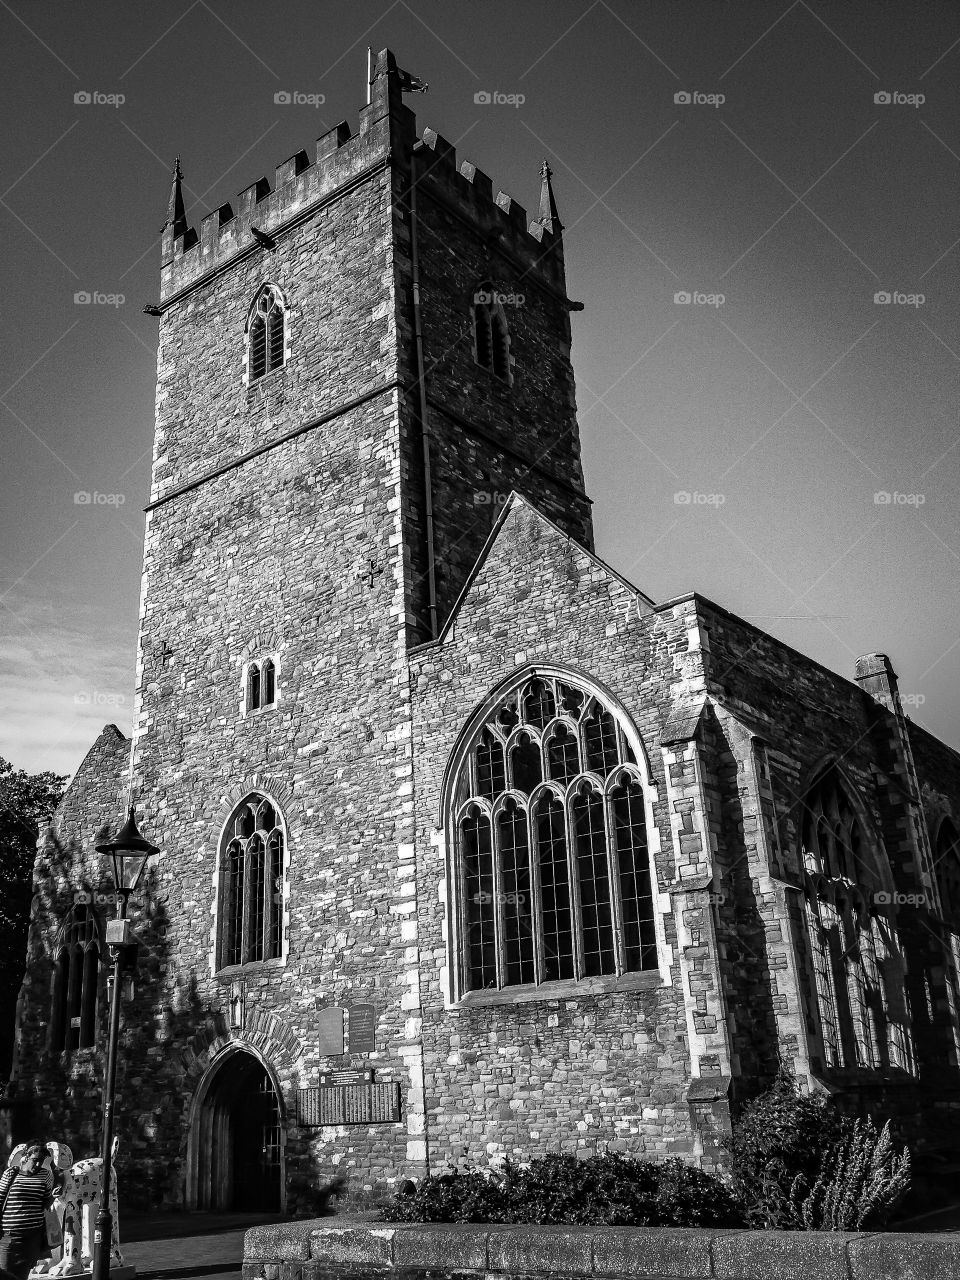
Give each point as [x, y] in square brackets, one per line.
[861, 1182]
[799, 1163]
[560, 1189]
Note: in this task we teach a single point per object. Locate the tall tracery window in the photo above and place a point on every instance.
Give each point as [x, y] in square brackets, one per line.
[554, 879]
[947, 863]
[251, 863]
[266, 333]
[73, 1022]
[857, 971]
[491, 333]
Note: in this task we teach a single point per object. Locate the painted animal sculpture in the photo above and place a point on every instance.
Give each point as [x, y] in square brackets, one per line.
[76, 1203]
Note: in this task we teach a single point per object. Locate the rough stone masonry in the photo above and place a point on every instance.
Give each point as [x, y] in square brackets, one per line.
[393, 516]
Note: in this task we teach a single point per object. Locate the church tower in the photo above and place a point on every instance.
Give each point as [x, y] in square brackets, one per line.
[356, 368]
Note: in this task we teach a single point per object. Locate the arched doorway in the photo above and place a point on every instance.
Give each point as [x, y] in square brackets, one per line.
[239, 1139]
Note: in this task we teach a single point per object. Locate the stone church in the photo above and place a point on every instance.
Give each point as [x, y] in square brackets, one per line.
[468, 848]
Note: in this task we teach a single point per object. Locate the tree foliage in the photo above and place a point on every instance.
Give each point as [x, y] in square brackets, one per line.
[26, 800]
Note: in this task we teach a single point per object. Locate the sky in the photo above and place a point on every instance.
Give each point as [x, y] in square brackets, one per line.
[762, 222]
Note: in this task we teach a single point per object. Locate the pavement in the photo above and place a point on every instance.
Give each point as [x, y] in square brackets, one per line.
[181, 1246]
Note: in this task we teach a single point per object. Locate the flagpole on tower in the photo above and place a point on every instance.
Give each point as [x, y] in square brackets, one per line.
[369, 74]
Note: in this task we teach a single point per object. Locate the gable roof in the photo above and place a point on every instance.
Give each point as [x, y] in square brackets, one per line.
[513, 503]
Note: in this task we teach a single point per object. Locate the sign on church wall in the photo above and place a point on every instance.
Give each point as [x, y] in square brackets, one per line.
[362, 1028]
[330, 1031]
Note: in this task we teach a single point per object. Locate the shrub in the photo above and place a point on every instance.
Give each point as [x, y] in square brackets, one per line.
[861, 1182]
[799, 1163]
[560, 1189]
[782, 1134]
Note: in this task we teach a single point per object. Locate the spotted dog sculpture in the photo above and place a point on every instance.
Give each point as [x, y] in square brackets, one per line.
[76, 1202]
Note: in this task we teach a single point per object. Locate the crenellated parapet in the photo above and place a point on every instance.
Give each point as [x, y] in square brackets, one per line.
[341, 159]
[501, 220]
[386, 136]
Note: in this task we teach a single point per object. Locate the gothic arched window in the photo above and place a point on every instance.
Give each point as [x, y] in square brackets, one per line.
[552, 862]
[491, 334]
[251, 894]
[265, 335]
[947, 864]
[857, 971]
[73, 1022]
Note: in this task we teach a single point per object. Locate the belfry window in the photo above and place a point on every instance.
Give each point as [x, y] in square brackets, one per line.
[553, 876]
[73, 1023]
[261, 684]
[857, 970]
[251, 874]
[491, 334]
[266, 334]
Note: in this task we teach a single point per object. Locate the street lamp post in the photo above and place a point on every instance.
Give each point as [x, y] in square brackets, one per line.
[128, 853]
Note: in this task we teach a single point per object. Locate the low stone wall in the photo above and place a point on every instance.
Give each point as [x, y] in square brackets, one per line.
[317, 1250]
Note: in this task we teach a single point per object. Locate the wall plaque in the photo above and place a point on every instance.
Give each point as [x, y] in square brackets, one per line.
[342, 1104]
[362, 1028]
[330, 1031]
[364, 1076]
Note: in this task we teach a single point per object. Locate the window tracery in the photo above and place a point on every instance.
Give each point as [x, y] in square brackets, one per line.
[549, 819]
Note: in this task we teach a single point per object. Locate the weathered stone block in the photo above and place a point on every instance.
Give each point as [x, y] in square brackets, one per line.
[780, 1255]
[557, 1250]
[651, 1251]
[902, 1256]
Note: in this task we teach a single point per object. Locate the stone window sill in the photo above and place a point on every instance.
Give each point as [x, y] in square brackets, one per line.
[251, 968]
[644, 980]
